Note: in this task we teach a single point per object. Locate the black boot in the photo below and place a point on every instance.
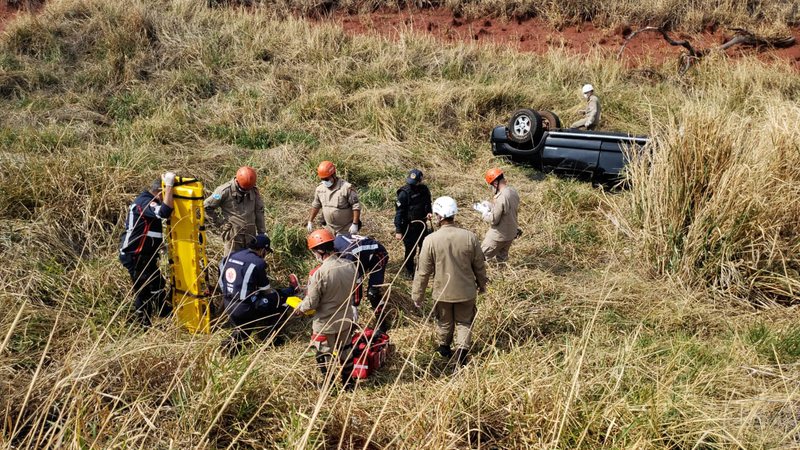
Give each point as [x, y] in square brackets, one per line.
[323, 361]
[231, 346]
[346, 359]
[445, 351]
[461, 357]
[141, 317]
[382, 321]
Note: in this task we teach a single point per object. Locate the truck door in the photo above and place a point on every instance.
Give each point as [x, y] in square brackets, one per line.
[571, 154]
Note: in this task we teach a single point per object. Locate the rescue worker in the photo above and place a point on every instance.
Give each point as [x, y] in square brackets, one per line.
[453, 257]
[591, 114]
[371, 258]
[329, 290]
[252, 304]
[412, 210]
[501, 213]
[338, 200]
[139, 246]
[237, 207]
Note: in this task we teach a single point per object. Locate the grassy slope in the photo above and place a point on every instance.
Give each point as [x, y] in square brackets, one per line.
[622, 322]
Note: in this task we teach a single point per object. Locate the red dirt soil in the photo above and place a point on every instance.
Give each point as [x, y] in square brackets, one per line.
[6, 13]
[537, 36]
[530, 35]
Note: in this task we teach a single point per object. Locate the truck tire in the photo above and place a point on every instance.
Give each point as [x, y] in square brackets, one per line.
[525, 126]
[550, 120]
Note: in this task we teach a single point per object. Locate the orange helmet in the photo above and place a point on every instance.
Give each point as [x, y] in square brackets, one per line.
[246, 177]
[326, 169]
[319, 237]
[492, 175]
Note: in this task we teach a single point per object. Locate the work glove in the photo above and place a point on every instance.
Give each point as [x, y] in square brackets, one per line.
[487, 216]
[310, 227]
[482, 207]
[169, 179]
[353, 228]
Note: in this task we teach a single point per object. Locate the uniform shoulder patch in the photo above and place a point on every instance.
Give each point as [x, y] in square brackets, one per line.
[216, 196]
[230, 275]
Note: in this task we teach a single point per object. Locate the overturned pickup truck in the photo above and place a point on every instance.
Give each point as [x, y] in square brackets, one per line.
[537, 139]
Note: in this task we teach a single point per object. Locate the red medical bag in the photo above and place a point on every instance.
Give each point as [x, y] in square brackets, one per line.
[370, 352]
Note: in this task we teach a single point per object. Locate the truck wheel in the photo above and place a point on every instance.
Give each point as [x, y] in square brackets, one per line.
[525, 126]
[550, 120]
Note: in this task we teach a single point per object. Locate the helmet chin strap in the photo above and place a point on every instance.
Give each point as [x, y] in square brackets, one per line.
[320, 256]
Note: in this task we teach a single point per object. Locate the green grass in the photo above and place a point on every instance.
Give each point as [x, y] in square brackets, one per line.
[259, 138]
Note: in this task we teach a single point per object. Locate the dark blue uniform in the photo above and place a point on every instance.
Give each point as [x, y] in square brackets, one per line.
[371, 257]
[138, 253]
[411, 212]
[253, 306]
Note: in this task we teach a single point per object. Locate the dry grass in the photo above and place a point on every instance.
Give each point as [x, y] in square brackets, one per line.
[689, 15]
[625, 321]
[716, 201]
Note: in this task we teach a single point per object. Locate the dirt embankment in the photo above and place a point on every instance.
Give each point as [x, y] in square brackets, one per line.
[536, 35]
[529, 35]
[10, 8]
[6, 13]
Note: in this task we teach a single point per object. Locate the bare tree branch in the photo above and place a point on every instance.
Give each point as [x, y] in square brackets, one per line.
[683, 43]
[741, 37]
[749, 39]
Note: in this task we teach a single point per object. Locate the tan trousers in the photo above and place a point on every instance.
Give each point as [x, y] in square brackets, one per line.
[582, 124]
[493, 249]
[455, 318]
[330, 344]
[235, 243]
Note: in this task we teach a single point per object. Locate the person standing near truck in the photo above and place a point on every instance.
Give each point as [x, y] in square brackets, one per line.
[591, 114]
[501, 213]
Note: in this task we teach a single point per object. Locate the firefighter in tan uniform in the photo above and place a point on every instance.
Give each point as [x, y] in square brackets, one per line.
[454, 258]
[501, 213]
[239, 204]
[591, 114]
[338, 200]
[329, 294]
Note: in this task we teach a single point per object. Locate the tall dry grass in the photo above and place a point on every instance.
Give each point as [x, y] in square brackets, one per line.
[577, 343]
[715, 201]
[687, 15]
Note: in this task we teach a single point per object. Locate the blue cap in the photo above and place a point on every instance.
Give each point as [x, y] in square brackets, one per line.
[414, 176]
[260, 242]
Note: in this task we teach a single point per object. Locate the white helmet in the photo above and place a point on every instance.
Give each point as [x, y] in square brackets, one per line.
[445, 207]
[587, 88]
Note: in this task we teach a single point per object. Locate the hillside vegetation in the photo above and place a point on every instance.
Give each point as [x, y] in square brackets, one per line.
[657, 317]
[687, 15]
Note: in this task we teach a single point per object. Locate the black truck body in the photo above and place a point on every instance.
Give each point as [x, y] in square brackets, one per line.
[597, 156]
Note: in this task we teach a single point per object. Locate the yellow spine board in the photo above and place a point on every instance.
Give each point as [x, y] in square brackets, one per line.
[294, 302]
[186, 242]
